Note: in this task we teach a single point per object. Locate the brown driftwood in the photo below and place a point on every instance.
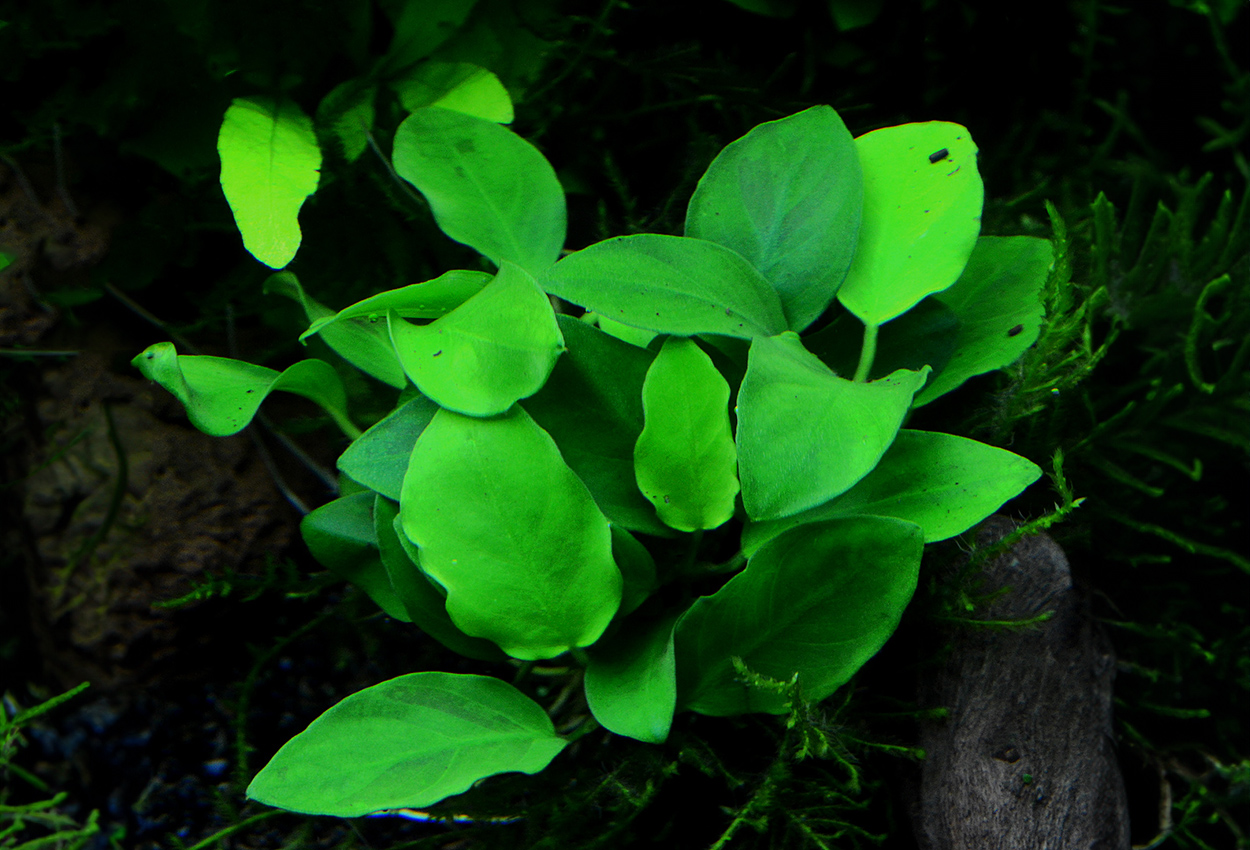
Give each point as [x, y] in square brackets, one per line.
[1025, 757]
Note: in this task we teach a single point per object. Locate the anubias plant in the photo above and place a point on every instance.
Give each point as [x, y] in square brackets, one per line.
[543, 486]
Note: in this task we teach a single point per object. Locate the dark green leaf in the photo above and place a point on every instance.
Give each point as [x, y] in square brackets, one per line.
[340, 535]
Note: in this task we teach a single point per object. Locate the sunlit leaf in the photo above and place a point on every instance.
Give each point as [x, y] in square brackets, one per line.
[459, 86]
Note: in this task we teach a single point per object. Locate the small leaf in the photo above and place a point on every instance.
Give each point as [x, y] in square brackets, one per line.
[488, 188]
[787, 196]
[429, 300]
[378, 458]
[365, 346]
[270, 164]
[943, 483]
[685, 460]
[348, 112]
[458, 86]
[1000, 289]
[420, 28]
[424, 603]
[222, 395]
[495, 348]
[592, 407]
[511, 533]
[819, 601]
[631, 681]
[923, 336]
[340, 535]
[669, 284]
[921, 217]
[407, 742]
[804, 434]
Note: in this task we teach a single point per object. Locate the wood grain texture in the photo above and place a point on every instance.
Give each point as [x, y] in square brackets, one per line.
[1025, 758]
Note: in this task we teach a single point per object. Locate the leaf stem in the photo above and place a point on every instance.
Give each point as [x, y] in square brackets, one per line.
[867, 354]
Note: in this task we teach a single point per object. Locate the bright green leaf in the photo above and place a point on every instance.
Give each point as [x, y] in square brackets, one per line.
[804, 434]
[998, 302]
[943, 483]
[222, 395]
[922, 214]
[340, 535]
[270, 163]
[685, 460]
[819, 601]
[592, 407]
[367, 347]
[631, 681]
[511, 534]
[669, 284]
[424, 603]
[488, 188]
[378, 458]
[458, 86]
[428, 300]
[408, 742]
[495, 348]
[787, 196]
[634, 336]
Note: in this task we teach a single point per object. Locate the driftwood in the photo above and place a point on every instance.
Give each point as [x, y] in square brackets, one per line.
[1025, 757]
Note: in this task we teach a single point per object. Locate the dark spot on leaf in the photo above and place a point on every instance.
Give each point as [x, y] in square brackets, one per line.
[465, 146]
[436, 353]
[1016, 330]
[249, 392]
[728, 312]
[666, 500]
[938, 156]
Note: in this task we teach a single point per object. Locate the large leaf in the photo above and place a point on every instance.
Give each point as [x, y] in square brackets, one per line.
[631, 681]
[511, 534]
[407, 742]
[270, 163]
[378, 458]
[495, 348]
[943, 483]
[222, 395]
[592, 407]
[787, 196]
[922, 214]
[340, 535]
[804, 434]
[366, 346]
[669, 284]
[998, 302]
[819, 601]
[459, 86]
[487, 187]
[685, 460]
[423, 602]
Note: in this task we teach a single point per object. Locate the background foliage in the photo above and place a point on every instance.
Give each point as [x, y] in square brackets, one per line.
[108, 144]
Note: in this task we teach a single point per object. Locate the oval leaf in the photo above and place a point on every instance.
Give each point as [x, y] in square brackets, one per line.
[943, 483]
[631, 681]
[511, 533]
[592, 407]
[408, 742]
[804, 434]
[488, 188]
[685, 460]
[669, 284]
[428, 300]
[922, 213]
[270, 163]
[222, 395]
[999, 305]
[819, 601]
[495, 348]
[787, 196]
